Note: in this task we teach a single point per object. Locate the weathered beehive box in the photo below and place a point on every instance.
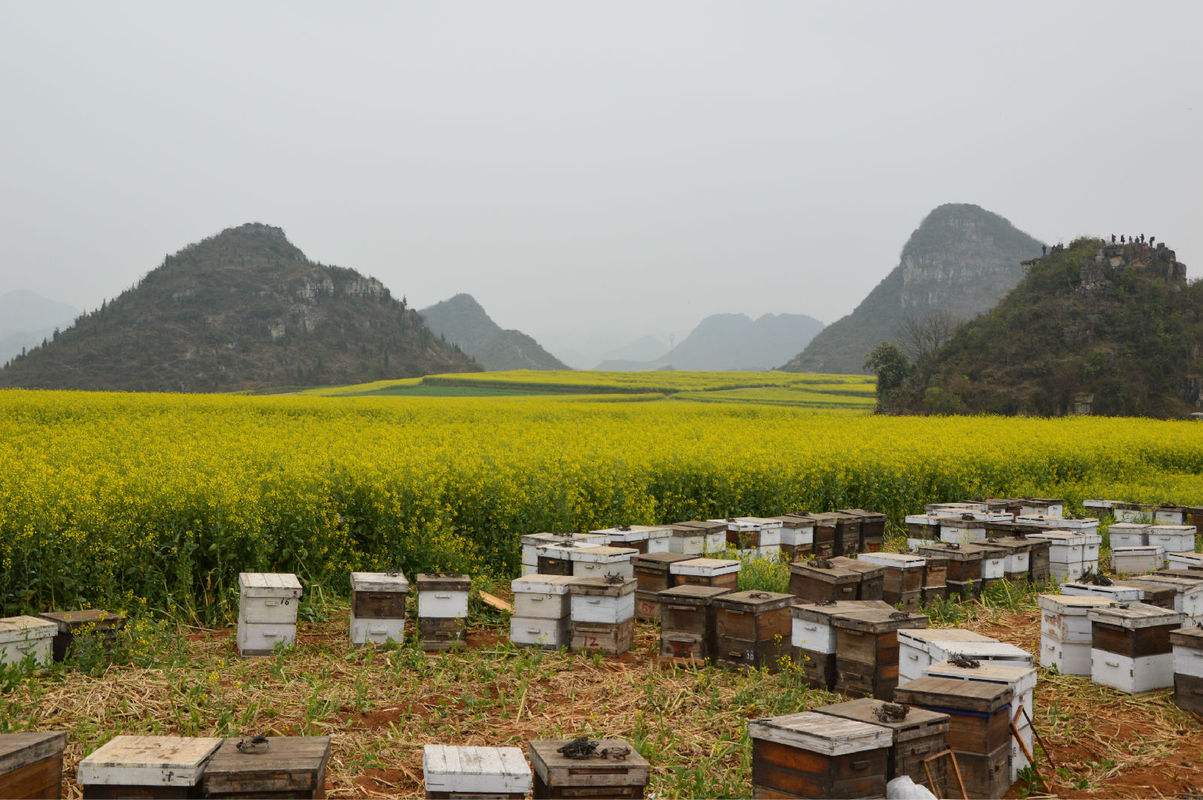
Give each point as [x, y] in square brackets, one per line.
[555, 558]
[872, 576]
[903, 580]
[821, 581]
[475, 772]
[866, 650]
[917, 734]
[962, 507]
[1169, 515]
[1067, 551]
[1017, 560]
[1136, 560]
[644, 538]
[1041, 522]
[601, 561]
[979, 730]
[1100, 509]
[26, 637]
[31, 764]
[603, 615]
[267, 611]
[872, 528]
[964, 564]
[95, 625]
[146, 766]
[1041, 506]
[814, 755]
[1185, 562]
[812, 637]
[921, 528]
[1172, 538]
[962, 529]
[687, 621]
[754, 537]
[442, 609]
[797, 536]
[722, 572]
[752, 629]
[378, 607]
[1128, 534]
[935, 577]
[533, 541]
[1005, 505]
[836, 534]
[1132, 512]
[1116, 591]
[994, 560]
[273, 766]
[652, 575]
[920, 648]
[1194, 515]
[1038, 561]
[1153, 594]
[1065, 630]
[698, 537]
[541, 611]
[1188, 591]
[612, 770]
[1130, 647]
[1187, 644]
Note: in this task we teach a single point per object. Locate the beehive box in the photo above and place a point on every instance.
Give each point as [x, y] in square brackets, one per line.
[31, 764]
[555, 558]
[146, 766]
[1173, 538]
[26, 637]
[964, 590]
[541, 611]
[698, 537]
[1017, 559]
[962, 529]
[1188, 591]
[1117, 591]
[1132, 512]
[964, 564]
[917, 734]
[812, 638]
[935, 575]
[1185, 562]
[918, 649]
[603, 615]
[1065, 631]
[872, 576]
[1187, 644]
[614, 770]
[1005, 505]
[533, 541]
[872, 528]
[442, 610]
[1153, 594]
[644, 538]
[652, 575]
[95, 625]
[994, 559]
[752, 629]
[754, 537]
[836, 534]
[1135, 560]
[687, 621]
[267, 611]
[378, 607]
[1043, 523]
[1130, 647]
[601, 561]
[1041, 506]
[1038, 561]
[1099, 509]
[963, 507]
[903, 580]
[797, 536]
[281, 767]
[475, 772]
[866, 650]
[984, 776]
[821, 581]
[1169, 515]
[1128, 534]
[722, 572]
[920, 529]
[1194, 515]
[1066, 555]
[818, 756]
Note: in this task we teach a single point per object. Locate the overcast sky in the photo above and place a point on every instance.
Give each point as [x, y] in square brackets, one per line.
[590, 172]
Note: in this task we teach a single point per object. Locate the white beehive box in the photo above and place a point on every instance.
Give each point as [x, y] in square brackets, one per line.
[600, 561]
[147, 761]
[540, 632]
[1129, 672]
[1188, 652]
[542, 596]
[1169, 515]
[1188, 598]
[1184, 561]
[26, 637]
[956, 530]
[1173, 538]
[443, 596]
[1118, 594]
[1131, 512]
[267, 611]
[705, 567]
[896, 560]
[947, 509]
[811, 627]
[598, 600]
[1128, 534]
[475, 771]
[798, 535]
[1047, 523]
[1065, 618]
[1033, 506]
[1134, 560]
[1067, 548]
[377, 631]
[915, 648]
[654, 538]
[1067, 657]
[376, 628]
[533, 541]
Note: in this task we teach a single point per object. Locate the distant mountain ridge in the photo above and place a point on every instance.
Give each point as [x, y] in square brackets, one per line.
[724, 342]
[462, 321]
[26, 318]
[961, 260]
[241, 310]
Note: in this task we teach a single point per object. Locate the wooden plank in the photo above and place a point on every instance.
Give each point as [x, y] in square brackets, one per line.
[496, 602]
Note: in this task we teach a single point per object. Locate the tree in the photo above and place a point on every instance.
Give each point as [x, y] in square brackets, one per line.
[922, 336]
[891, 367]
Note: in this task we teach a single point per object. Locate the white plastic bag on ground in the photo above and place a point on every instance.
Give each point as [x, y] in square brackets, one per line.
[903, 788]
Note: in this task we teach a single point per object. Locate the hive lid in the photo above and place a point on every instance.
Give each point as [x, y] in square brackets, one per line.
[1060, 603]
[293, 764]
[1180, 583]
[603, 554]
[1193, 559]
[147, 761]
[966, 520]
[379, 582]
[556, 769]
[951, 551]
[1137, 550]
[796, 520]
[1187, 637]
[894, 560]
[916, 721]
[543, 584]
[867, 569]
[834, 518]
[22, 749]
[924, 636]
[483, 770]
[988, 549]
[862, 513]
[1132, 527]
[94, 617]
[658, 560]
[634, 533]
[442, 582]
[922, 519]
[821, 733]
[754, 600]
[1011, 543]
[1136, 615]
[694, 525]
[823, 612]
[691, 593]
[1021, 677]
[600, 587]
[831, 574]
[1159, 528]
[705, 566]
[536, 539]
[877, 620]
[24, 628]
[954, 694]
[269, 584]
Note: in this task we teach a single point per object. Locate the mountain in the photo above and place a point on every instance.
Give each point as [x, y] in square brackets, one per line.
[733, 342]
[463, 322]
[960, 261]
[646, 348]
[26, 318]
[242, 310]
[1094, 327]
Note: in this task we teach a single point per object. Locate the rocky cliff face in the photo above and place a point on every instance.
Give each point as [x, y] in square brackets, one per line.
[961, 260]
[463, 322]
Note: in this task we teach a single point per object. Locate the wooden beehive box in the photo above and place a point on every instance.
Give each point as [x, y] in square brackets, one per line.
[267, 611]
[916, 646]
[866, 648]
[842, 531]
[698, 537]
[1065, 631]
[922, 527]
[818, 756]
[1038, 561]
[1186, 563]
[283, 767]
[1130, 647]
[96, 625]
[979, 713]
[644, 538]
[146, 766]
[1188, 590]
[722, 572]
[602, 560]
[1043, 506]
[917, 734]
[614, 770]
[1017, 557]
[963, 564]
[994, 559]
[935, 576]
[26, 637]
[555, 558]
[541, 611]
[1187, 645]
[475, 772]
[812, 637]
[903, 578]
[872, 577]
[872, 528]
[797, 535]
[378, 607]
[687, 621]
[652, 575]
[31, 764]
[1153, 594]
[603, 615]
[1128, 534]
[752, 629]
[821, 581]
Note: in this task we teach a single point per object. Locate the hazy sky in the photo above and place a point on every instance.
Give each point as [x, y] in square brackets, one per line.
[590, 172]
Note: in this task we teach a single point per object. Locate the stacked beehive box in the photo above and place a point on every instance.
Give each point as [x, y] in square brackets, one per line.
[378, 607]
[31, 764]
[533, 541]
[917, 734]
[813, 640]
[1116, 591]
[994, 560]
[722, 572]
[752, 629]
[653, 575]
[979, 730]
[872, 528]
[872, 576]
[921, 529]
[821, 581]
[962, 529]
[1188, 591]
[275, 766]
[814, 755]
[1132, 512]
[1137, 560]
[1017, 562]
[1169, 515]
[602, 561]
[1185, 563]
[1101, 509]
[964, 576]
[267, 611]
[866, 649]
[1065, 631]
[935, 578]
[603, 614]
[644, 538]
[1128, 534]
[1150, 592]
[797, 536]
[442, 610]
[687, 613]
[24, 638]
[918, 649]
[1187, 644]
[101, 628]
[1130, 647]
[1067, 554]
[542, 611]
[472, 773]
[836, 534]
[754, 537]
[606, 768]
[903, 579]
[1173, 538]
[698, 537]
[146, 766]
